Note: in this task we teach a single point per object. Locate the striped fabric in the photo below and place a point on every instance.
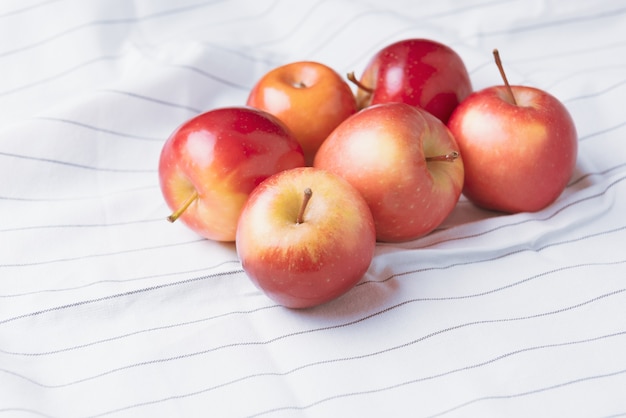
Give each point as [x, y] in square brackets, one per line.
[107, 310]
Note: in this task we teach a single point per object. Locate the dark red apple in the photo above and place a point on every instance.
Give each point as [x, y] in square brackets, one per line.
[419, 72]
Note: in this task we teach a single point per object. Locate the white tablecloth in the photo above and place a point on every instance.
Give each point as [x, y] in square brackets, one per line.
[106, 309]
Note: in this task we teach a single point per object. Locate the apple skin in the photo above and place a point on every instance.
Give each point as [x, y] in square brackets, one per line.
[223, 154]
[302, 265]
[518, 158]
[419, 72]
[382, 151]
[309, 97]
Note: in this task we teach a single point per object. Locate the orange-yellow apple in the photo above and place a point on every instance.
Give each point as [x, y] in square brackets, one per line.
[419, 72]
[305, 237]
[519, 146]
[309, 97]
[405, 163]
[211, 163]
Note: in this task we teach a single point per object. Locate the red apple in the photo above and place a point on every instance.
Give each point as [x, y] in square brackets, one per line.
[305, 237]
[519, 146]
[309, 97]
[419, 72]
[210, 164]
[405, 163]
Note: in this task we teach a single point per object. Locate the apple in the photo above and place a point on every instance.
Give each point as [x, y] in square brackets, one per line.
[405, 163]
[309, 97]
[419, 72]
[305, 237]
[519, 146]
[210, 164]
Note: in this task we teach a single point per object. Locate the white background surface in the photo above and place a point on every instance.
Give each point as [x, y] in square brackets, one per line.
[108, 310]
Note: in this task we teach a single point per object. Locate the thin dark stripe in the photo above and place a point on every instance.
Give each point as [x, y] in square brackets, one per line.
[213, 77]
[117, 295]
[28, 8]
[402, 17]
[496, 257]
[80, 226]
[411, 382]
[58, 75]
[333, 361]
[153, 100]
[295, 27]
[98, 129]
[89, 62]
[147, 330]
[74, 165]
[121, 280]
[587, 73]
[602, 131]
[30, 411]
[61, 34]
[100, 198]
[533, 391]
[596, 93]
[244, 18]
[107, 22]
[245, 54]
[98, 255]
[605, 14]
[553, 55]
[598, 173]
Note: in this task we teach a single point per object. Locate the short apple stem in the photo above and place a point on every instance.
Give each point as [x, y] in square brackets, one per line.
[357, 83]
[192, 198]
[305, 201]
[496, 55]
[445, 158]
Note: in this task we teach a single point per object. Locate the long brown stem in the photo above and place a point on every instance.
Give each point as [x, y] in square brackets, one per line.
[445, 158]
[357, 83]
[192, 198]
[496, 55]
[305, 201]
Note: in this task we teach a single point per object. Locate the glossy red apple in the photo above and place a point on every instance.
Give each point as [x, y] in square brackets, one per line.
[211, 163]
[405, 163]
[309, 97]
[305, 237]
[519, 146]
[419, 72]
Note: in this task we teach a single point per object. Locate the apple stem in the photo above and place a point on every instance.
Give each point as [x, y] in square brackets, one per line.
[446, 158]
[305, 200]
[360, 85]
[496, 55]
[192, 198]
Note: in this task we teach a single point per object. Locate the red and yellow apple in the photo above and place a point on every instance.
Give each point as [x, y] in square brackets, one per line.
[210, 164]
[419, 72]
[404, 162]
[309, 97]
[305, 237]
[519, 146]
